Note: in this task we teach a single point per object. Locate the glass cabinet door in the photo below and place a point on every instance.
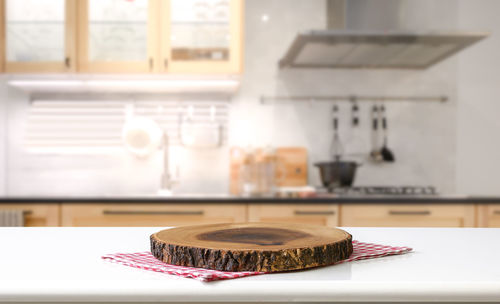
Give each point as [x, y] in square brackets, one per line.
[39, 35]
[201, 36]
[2, 36]
[117, 35]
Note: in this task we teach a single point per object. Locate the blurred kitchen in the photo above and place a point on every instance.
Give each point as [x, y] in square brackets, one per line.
[198, 109]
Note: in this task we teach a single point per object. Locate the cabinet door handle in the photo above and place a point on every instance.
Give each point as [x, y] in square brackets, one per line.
[152, 212]
[303, 212]
[151, 62]
[397, 212]
[165, 63]
[27, 212]
[67, 62]
[496, 212]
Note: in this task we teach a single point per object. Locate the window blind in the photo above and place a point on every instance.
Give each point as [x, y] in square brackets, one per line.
[96, 125]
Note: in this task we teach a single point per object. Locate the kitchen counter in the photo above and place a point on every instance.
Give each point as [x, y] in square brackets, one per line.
[213, 198]
[63, 264]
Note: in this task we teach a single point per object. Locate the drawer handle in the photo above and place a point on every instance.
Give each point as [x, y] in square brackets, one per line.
[301, 212]
[27, 212]
[144, 212]
[396, 212]
[496, 212]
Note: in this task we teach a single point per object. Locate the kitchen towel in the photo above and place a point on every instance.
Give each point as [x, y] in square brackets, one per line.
[146, 261]
[11, 218]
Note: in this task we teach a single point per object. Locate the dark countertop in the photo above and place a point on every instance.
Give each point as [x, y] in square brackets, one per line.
[439, 199]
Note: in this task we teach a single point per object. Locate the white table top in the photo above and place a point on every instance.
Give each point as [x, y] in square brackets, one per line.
[64, 264]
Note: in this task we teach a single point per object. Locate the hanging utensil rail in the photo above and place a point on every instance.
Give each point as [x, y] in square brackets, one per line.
[336, 98]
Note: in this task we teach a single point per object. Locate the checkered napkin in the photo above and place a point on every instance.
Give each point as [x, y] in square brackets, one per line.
[146, 261]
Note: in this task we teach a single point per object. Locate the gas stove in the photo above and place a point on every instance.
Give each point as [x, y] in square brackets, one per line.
[384, 191]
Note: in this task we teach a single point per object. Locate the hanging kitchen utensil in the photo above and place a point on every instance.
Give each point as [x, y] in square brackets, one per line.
[354, 112]
[375, 152]
[337, 173]
[200, 132]
[386, 153]
[336, 149]
[354, 142]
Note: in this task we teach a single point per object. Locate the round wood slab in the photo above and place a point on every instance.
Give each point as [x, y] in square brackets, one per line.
[266, 247]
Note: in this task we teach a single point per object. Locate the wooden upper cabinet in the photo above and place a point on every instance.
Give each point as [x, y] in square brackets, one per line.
[160, 36]
[121, 36]
[38, 36]
[2, 36]
[201, 36]
[118, 36]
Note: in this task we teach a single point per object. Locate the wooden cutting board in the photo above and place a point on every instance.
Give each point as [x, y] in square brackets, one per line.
[267, 247]
[291, 167]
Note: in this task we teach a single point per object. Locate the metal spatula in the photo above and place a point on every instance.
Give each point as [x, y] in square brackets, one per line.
[375, 152]
[336, 148]
[386, 153]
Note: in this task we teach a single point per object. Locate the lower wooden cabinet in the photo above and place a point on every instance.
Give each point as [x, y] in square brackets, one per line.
[36, 215]
[407, 215]
[488, 215]
[318, 214]
[163, 215]
[352, 215]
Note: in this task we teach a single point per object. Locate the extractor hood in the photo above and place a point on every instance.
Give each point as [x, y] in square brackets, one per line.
[389, 49]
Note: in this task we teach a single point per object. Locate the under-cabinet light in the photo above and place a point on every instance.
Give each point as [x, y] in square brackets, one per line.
[143, 84]
[126, 83]
[162, 83]
[41, 83]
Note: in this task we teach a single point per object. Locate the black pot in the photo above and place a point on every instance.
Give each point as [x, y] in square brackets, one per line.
[337, 173]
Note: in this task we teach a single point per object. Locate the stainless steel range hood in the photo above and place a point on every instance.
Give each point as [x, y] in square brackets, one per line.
[334, 48]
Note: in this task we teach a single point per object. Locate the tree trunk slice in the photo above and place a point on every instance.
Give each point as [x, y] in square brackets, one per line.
[263, 247]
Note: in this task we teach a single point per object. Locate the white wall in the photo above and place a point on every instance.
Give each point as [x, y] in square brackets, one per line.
[478, 122]
[422, 136]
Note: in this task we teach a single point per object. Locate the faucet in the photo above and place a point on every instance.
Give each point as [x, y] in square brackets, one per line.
[166, 180]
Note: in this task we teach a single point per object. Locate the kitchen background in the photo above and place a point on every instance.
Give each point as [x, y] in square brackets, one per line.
[451, 145]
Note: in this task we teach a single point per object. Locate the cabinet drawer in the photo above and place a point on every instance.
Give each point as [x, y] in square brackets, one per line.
[36, 215]
[488, 215]
[408, 215]
[326, 215]
[122, 215]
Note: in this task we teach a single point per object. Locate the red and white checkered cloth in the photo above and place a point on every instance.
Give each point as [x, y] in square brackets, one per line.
[146, 261]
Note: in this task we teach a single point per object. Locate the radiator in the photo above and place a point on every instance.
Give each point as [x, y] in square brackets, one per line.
[11, 218]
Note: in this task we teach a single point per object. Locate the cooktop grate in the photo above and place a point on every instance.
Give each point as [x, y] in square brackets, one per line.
[385, 190]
